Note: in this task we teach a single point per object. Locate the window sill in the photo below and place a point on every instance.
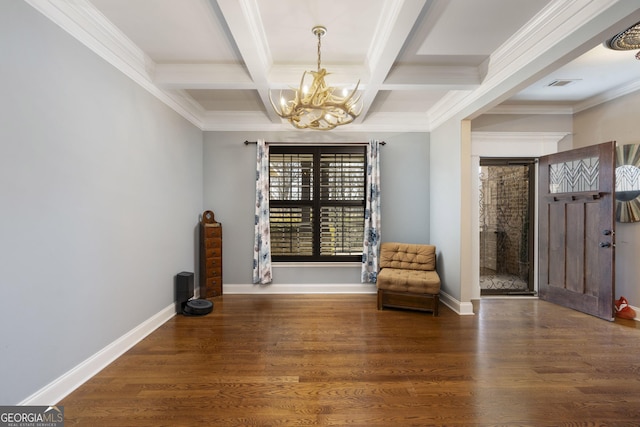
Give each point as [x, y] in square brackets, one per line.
[316, 264]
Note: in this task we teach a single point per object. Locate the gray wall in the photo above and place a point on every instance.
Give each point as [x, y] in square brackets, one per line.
[522, 123]
[527, 123]
[446, 201]
[100, 191]
[229, 190]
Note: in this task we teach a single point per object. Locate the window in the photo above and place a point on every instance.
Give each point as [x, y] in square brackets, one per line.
[316, 202]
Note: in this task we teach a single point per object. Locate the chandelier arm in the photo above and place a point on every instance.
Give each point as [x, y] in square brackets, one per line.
[350, 95]
[280, 111]
[300, 89]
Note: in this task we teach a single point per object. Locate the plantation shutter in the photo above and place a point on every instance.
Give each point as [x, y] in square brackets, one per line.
[317, 203]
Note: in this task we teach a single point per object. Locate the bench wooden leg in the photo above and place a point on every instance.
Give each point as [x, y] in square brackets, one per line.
[436, 303]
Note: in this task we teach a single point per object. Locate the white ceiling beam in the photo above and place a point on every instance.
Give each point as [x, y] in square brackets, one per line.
[396, 21]
[286, 76]
[563, 30]
[236, 77]
[243, 19]
[409, 77]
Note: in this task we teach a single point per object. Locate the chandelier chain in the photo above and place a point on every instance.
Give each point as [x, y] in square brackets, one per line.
[319, 43]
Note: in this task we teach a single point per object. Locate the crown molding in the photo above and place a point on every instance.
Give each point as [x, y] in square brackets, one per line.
[446, 107]
[229, 121]
[254, 121]
[85, 23]
[561, 20]
[514, 144]
[607, 96]
[519, 137]
[528, 43]
[567, 109]
[532, 40]
[531, 109]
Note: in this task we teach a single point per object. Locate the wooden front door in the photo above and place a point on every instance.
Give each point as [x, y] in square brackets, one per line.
[577, 229]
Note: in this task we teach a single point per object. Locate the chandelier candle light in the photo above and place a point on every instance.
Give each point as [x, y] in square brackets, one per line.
[318, 106]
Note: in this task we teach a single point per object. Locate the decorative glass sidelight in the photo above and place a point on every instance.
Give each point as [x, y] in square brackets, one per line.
[574, 176]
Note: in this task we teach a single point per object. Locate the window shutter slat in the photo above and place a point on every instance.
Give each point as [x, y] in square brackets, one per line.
[291, 231]
[342, 229]
[329, 181]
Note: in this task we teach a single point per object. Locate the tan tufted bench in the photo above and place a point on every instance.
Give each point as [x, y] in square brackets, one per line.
[408, 277]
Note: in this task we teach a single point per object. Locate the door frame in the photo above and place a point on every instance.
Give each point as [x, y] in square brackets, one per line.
[504, 144]
[532, 190]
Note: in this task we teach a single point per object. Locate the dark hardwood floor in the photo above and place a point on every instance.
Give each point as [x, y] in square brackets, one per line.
[290, 360]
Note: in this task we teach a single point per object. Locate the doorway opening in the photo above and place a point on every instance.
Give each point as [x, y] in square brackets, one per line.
[507, 218]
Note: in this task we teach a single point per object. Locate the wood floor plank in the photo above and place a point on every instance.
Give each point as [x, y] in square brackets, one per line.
[287, 360]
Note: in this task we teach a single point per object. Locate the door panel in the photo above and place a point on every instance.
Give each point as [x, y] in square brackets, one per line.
[576, 241]
[592, 251]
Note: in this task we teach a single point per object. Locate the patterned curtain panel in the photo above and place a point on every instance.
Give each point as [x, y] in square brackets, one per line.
[262, 238]
[371, 248]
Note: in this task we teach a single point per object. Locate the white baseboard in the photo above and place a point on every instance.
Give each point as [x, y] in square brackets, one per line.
[462, 308]
[311, 288]
[58, 389]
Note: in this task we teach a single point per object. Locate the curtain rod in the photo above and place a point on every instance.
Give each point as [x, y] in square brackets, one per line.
[299, 143]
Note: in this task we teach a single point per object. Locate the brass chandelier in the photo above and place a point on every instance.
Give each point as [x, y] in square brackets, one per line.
[317, 105]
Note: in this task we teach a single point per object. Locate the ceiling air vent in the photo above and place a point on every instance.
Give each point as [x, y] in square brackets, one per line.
[562, 83]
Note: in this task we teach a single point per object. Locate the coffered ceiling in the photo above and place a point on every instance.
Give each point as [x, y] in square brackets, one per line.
[419, 62]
